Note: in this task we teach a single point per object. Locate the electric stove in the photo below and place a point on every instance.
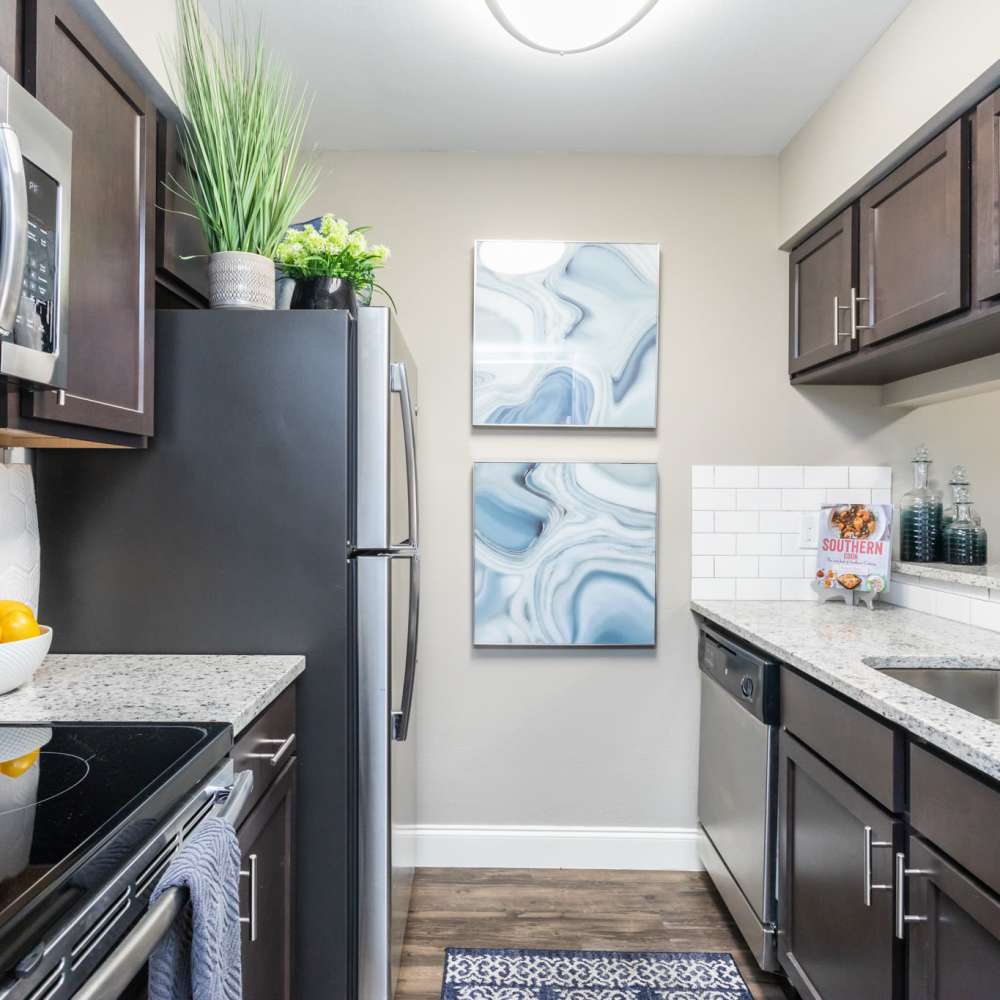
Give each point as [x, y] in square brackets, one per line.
[85, 834]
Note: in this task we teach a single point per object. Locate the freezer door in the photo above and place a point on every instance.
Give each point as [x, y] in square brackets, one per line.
[387, 515]
[388, 607]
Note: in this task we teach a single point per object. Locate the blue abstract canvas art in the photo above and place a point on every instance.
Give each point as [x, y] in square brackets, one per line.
[565, 334]
[564, 554]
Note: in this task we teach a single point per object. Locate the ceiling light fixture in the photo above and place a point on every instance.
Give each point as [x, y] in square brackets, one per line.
[566, 27]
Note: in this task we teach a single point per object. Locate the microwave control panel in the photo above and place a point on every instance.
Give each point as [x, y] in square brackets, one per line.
[36, 311]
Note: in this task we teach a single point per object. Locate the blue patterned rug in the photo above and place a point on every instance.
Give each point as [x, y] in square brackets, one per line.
[526, 974]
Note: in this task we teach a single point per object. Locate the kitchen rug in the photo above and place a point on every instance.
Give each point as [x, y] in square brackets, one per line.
[527, 974]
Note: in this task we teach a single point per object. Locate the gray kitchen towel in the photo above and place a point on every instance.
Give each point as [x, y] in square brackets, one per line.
[199, 958]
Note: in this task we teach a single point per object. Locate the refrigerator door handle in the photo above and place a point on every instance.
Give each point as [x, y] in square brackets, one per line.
[399, 383]
[401, 718]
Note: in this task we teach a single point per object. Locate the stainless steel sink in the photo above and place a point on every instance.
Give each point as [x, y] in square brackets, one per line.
[973, 685]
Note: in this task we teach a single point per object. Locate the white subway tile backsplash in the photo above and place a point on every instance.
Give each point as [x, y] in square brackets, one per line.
[758, 499]
[994, 595]
[822, 477]
[713, 590]
[953, 606]
[712, 499]
[702, 476]
[802, 499]
[781, 566]
[746, 523]
[871, 477]
[780, 520]
[985, 614]
[781, 476]
[882, 496]
[758, 545]
[797, 590]
[736, 566]
[848, 496]
[758, 590]
[702, 520]
[737, 520]
[713, 544]
[702, 566]
[736, 475]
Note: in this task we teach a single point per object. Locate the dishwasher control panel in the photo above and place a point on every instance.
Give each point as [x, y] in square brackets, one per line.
[747, 676]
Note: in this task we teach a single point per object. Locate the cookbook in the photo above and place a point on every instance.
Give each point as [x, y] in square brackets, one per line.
[855, 547]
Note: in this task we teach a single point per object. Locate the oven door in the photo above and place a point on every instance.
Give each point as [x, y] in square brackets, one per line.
[36, 163]
[122, 974]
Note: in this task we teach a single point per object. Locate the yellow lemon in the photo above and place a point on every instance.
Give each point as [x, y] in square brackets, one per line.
[18, 624]
[19, 765]
[6, 606]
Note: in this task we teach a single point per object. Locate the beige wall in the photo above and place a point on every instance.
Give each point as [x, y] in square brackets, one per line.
[144, 26]
[933, 51]
[592, 738]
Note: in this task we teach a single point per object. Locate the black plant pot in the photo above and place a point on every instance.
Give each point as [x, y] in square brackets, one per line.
[324, 293]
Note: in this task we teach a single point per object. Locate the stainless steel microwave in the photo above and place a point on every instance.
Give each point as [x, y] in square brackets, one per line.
[36, 163]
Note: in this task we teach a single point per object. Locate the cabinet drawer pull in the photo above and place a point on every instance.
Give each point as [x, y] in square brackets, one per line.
[251, 874]
[279, 754]
[902, 874]
[868, 845]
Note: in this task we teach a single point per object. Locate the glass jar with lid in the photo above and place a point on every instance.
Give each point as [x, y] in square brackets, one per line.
[960, 536]
[920, 515]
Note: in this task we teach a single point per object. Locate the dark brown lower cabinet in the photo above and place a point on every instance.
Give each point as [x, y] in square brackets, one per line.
[954, 951]
[267, 904]
[836, 936]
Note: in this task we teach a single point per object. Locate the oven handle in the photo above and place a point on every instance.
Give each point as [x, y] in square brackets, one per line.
[126, 961]
[13, 226]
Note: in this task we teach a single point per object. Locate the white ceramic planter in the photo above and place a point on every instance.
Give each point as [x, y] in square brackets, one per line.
[238, 280]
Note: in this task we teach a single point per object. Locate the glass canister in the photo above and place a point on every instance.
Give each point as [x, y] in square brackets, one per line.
[920, 515]
[960, 534]
[959, 479]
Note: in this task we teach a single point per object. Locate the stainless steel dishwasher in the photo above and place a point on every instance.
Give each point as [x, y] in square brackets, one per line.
[737, 784]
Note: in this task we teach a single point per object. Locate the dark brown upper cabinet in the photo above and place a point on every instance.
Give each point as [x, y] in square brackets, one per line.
[181, 251]
[914, 240]
[10, 37]
[110, 342]
[987, 195]
[822, 289]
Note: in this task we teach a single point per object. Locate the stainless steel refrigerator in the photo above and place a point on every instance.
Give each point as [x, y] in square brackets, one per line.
[275, 510]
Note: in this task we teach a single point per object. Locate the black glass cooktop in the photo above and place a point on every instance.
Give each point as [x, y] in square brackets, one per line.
[59, 819]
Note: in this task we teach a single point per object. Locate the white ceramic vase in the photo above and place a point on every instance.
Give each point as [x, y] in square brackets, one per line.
[238, 280]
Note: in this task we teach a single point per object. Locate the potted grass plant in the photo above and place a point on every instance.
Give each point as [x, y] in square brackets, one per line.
[332, 265]
[241, 137]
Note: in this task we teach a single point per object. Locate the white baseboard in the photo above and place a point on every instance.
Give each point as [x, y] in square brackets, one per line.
[606, 847]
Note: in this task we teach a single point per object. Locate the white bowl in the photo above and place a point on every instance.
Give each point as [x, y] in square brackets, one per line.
[20, 659]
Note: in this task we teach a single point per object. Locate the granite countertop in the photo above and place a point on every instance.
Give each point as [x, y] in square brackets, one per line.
[831, 641]
[986, 577]
[90, 687]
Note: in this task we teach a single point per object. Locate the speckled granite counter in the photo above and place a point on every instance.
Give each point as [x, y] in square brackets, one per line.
[169, 688]
[830, 642]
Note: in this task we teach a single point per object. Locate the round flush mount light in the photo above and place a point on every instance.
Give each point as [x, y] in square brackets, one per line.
[566, 27]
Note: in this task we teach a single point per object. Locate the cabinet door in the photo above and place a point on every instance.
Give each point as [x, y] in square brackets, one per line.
[267, 901]
[987, 173]
[915, 239]
[181, 252]
[821, 286]
[955, 951]
[110, 336]
[10, 37]
[835, 940]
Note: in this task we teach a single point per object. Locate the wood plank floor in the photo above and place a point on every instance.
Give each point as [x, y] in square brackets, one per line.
[601, 910]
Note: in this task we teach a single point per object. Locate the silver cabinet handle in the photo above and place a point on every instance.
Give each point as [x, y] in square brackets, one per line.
[837, 333]
[279, 755]
[868, 845]
[14, 221]
[855, 325]
[251, 874]
[902, 917]
[398, 382]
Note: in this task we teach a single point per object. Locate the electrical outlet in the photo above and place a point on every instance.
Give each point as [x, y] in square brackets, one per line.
[809, 530]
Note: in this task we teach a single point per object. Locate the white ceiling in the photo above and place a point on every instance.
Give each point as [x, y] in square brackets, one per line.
[696, 76]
